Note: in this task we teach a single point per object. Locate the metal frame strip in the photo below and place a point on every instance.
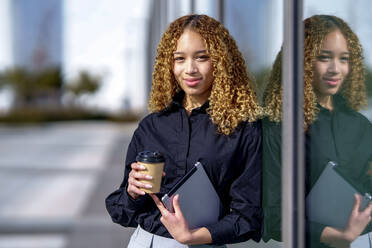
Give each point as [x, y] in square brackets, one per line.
[293, 228]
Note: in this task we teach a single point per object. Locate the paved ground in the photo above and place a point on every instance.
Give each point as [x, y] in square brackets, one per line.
[54, 179]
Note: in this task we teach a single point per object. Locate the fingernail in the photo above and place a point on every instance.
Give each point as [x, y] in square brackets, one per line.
[142, 167]
[148, 186]
[143, 193]
[148, 177]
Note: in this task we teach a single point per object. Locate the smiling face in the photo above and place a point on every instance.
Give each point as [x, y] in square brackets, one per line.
[193, 67]
[331, 66]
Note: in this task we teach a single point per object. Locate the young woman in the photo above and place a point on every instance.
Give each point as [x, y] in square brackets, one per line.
[203, 108]
[334, 90]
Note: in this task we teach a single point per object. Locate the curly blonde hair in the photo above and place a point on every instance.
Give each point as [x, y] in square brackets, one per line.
[232, 98]
[352, 89]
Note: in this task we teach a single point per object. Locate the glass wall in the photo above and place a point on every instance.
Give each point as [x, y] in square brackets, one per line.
[340, 152]
[337, 141]
[335, 126]
[257, 27]
[258, 30]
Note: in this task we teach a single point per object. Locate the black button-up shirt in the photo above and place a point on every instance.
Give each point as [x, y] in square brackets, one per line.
[233, 163]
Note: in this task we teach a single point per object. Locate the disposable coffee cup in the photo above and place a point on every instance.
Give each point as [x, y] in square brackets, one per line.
[154, 164]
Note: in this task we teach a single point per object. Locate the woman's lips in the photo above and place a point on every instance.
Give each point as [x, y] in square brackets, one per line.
[191, 82]
[332, 81]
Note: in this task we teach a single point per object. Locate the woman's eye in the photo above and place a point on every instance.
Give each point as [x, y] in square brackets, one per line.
[323, 58]
[345, 59]
[178, 59]
[203, 58]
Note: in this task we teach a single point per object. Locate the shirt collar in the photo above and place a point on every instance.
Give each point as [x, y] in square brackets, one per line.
[339, 104]
[176, 104]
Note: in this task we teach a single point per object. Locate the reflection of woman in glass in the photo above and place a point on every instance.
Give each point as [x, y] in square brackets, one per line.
[334, 90]
[203, 109]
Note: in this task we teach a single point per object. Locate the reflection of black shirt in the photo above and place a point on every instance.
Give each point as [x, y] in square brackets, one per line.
[343, 136]
[232, 162]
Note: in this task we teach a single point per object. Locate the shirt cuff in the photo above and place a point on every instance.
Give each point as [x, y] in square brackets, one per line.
[234, 228]
[131, 203]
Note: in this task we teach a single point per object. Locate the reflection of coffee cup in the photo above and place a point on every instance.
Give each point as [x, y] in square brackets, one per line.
[154, 163]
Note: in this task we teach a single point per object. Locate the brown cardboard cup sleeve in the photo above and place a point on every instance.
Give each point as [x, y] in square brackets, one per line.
[154, 164]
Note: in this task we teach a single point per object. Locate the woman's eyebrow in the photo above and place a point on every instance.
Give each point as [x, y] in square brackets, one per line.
[326, 51]
[200, 51]
[331, 52]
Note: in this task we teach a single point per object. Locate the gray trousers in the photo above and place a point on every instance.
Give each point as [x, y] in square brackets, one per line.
[143, 239]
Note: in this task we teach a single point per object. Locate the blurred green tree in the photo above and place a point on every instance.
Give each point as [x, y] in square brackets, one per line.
[44, 88]
[31, 88]
[84, 84]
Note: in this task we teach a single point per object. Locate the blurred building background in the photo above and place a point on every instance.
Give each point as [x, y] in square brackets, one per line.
[36, 33]
[117, 40]
[54, 178]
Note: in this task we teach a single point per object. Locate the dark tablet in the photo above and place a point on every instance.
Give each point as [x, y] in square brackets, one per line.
[198, 199]
[331, 199]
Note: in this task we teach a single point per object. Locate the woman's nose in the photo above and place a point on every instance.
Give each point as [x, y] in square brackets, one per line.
[334, 66]
[191, 66]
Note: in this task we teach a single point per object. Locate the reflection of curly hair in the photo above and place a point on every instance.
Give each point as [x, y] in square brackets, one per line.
[232, 99]
[352, 89]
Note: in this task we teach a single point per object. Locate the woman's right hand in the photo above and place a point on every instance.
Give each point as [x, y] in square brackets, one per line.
[134, 185]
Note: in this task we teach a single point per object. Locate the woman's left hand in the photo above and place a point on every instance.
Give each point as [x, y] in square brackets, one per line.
[175, 223]
[358, 219]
